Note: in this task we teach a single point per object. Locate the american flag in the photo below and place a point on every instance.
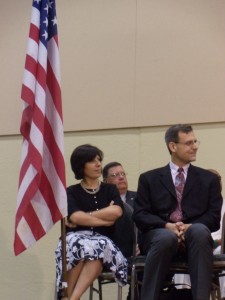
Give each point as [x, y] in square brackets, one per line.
[41, 200]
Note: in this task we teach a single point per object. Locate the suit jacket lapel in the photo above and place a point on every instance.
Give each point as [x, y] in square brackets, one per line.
[167, 180]
[191, 180]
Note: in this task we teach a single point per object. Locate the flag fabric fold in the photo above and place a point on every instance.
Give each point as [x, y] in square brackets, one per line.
[41, 200]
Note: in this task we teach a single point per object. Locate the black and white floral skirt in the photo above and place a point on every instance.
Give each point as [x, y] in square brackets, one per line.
[88, 245]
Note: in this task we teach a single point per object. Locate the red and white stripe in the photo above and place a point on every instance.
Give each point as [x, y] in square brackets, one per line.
[41, 200]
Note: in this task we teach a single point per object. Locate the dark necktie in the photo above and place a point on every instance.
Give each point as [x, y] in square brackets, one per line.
[176, 216]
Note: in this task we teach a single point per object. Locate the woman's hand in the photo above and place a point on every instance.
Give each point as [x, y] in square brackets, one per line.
[69, 224]
[137, 250]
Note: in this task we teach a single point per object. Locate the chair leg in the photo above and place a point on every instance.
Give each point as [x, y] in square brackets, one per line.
[99, 289]
[215, 290]
[92, 289]
[119, 295]
[133, 284]
[91, 292]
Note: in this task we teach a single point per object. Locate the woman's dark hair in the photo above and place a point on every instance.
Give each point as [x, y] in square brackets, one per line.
[80, 156]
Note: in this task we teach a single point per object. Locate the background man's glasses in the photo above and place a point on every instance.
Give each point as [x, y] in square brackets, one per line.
[115, 175]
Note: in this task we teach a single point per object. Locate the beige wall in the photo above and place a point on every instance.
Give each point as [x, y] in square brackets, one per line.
[31, 275]
[150, 57]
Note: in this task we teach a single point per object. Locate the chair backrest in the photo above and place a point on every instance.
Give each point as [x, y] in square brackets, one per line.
[124, 231]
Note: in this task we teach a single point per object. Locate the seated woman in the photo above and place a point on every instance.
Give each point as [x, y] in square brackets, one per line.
[93, 208]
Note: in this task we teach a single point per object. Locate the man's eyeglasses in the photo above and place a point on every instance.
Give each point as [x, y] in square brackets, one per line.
[115, 175]
[190, 143]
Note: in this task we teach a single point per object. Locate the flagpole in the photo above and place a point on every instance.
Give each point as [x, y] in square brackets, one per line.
[64, 269]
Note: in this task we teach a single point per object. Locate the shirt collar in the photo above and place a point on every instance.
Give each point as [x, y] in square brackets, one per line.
[123, 197]
[174, 168]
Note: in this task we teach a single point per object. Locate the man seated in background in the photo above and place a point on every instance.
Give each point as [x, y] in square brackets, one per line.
[114, 173]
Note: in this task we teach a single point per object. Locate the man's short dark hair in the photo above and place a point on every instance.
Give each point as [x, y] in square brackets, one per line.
[109, 166]
[80, 156]
[172, 133]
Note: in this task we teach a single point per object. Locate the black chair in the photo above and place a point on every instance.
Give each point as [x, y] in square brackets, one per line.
[137, 264]
[124, 238]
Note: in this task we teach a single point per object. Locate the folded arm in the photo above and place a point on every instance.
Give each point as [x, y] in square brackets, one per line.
[102, 217]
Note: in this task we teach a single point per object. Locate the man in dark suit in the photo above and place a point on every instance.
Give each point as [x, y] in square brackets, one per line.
[177, 207]
[114, 173]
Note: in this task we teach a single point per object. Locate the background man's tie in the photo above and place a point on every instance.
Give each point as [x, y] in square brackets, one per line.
[176, 216]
